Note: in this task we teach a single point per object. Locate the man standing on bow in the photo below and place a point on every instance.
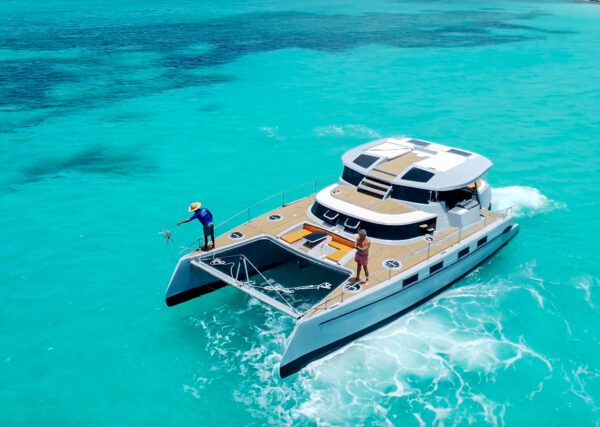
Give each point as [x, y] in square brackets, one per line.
[205, 217]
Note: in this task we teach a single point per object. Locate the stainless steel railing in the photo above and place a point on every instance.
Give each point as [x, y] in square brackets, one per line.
[286, 197]
[406, 263]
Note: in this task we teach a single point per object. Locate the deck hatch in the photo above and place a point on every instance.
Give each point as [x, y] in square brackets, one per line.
[419, 142]
[418, 175]
[365, 161]
[459, 152]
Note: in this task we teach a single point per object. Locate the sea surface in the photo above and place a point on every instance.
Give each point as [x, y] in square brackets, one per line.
[115, 115]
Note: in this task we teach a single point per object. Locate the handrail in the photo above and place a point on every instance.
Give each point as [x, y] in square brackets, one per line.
[247, 210]
[505, 213]
[282, 194]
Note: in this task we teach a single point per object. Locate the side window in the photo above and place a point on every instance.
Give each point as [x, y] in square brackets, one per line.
[463, 252]
[436, 267]
[410, 280]
[482, 241]
[351, 176]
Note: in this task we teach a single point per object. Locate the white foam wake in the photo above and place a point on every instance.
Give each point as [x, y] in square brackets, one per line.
[434, 364]
[348, 130]
[525, 201]
[431, 367]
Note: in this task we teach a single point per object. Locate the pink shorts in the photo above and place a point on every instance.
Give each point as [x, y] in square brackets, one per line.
[361, 258]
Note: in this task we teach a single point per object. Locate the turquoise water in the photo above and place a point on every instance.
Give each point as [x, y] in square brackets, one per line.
[115, 115]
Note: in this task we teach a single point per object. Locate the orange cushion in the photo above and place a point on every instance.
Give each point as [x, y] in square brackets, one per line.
[294, 236]
[338, 255]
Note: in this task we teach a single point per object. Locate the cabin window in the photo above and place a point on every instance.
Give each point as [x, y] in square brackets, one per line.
[415, 195]
[482, 241]
[418, 175]
[463, 252]
[410, 280]
[351, 176]
[507, 229]
[436, 267]
[378, 231]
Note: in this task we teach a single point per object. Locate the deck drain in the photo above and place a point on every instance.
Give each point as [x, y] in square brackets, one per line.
[391, 264]
[236, 235]
[275, 217]
[353, 287]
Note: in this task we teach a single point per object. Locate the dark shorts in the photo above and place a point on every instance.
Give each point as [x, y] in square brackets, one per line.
[209, 229]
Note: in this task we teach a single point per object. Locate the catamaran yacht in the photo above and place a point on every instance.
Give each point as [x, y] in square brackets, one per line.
[426, 209]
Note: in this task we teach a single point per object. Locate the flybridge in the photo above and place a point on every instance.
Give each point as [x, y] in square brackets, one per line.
[416, 163]
[280, 276]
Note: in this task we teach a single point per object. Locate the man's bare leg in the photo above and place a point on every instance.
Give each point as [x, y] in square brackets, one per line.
[358, 268]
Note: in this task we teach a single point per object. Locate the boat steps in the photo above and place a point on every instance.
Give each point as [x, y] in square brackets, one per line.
[374, 187]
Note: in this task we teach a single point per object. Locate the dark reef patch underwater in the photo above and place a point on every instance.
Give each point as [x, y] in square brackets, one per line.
[92, 57]
[94, 159]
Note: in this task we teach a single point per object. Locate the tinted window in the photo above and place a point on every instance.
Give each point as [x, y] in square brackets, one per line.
[351, 176]
[463, 252]
[410, 280]
[410, 194]
[436, 267]
[419, 142]
[418, 175]
[482, 241]
[364, 160]
[387, 232]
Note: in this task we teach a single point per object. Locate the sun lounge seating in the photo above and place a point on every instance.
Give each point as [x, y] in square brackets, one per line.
[341, 252]
[295, 236]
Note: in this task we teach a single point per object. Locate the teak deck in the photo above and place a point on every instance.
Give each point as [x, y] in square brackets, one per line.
[396, 166]
[409, 253]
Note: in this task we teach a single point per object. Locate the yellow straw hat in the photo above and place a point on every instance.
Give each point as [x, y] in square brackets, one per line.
[194, 206]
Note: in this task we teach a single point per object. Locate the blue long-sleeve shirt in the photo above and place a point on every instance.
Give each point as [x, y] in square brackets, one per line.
[203, 215]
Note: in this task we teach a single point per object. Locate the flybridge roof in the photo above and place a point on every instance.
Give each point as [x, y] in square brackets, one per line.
[417, 163]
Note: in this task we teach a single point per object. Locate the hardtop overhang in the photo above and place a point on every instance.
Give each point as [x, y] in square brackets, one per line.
[391, 159]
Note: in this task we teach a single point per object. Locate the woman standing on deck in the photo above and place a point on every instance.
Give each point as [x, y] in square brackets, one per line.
[362, 254]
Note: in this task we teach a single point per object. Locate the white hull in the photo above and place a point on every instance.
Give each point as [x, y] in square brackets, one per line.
[320, 334]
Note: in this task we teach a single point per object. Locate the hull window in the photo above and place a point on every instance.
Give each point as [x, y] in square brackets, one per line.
[436, 267]
[410, 280]
[463, 252]
[482, 241]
